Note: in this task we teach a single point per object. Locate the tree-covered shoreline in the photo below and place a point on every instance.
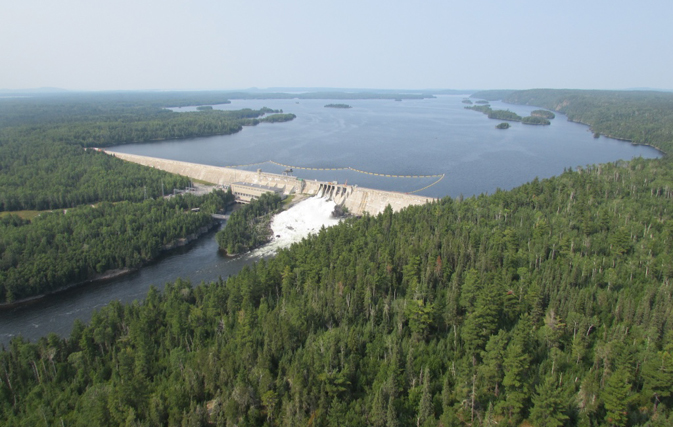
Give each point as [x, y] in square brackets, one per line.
[248, 227]
[43, 166]
[55, 250]
[549, 304]
[642, 117]
[511, 307]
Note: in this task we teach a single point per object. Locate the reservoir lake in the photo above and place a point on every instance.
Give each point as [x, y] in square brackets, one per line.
[412, 137]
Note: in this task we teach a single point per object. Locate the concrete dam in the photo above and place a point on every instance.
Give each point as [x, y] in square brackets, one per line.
[357, 200]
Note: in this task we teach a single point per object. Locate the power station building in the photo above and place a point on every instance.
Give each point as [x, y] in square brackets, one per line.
[246, 192]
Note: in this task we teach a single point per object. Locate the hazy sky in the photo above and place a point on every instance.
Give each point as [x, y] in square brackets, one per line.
[236, 44]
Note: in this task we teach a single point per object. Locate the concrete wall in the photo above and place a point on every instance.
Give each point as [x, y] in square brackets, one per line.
[358, 200]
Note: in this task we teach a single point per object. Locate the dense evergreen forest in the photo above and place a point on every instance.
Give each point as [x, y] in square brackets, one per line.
[496, 114]
[116, 128]
[44, 167]
[58, 249]
[248, 227]
[40, 175]
[547, 305]
[276, 118]
[537, 117]
[535, 120]
[543, 113]
[550, 303]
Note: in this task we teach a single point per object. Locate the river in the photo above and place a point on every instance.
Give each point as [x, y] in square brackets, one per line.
[412, 137]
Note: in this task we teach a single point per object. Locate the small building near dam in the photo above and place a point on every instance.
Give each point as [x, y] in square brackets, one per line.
[246, 192]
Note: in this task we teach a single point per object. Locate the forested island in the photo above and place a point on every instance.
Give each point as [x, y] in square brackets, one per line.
[248, 227]
[543, 113]
[537, 117]
[609, 113]
[503, 125]
[278, 118]
[546, 305]
[496, 114]
[338, 106]
[535, 120]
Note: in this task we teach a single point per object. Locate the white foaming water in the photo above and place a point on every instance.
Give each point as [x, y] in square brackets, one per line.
[302, 219]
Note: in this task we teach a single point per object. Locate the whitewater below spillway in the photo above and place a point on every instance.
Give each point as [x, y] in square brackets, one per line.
[292, 225]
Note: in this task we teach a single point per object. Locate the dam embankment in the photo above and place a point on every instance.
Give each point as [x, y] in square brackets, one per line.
[358, 200]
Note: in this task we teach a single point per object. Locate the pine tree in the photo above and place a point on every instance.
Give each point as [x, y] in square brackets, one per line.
[378, 411]
[658, 378]
[516, 364]
[391, 415]
[616, 398]
[490, 370]
[548, 405]
[425, 404]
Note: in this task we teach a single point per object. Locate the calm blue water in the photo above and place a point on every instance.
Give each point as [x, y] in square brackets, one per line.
[432, 136]
[412, 137]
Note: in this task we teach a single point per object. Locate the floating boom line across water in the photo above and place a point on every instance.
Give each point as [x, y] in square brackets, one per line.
[308, 169]
[249, 164]
[440, 176]
[428, 186]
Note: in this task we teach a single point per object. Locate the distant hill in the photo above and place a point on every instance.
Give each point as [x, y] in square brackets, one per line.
[39, 90]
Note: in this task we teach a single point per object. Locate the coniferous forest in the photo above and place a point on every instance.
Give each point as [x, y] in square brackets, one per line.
[248, 227]
[60, 248]
[547, 305]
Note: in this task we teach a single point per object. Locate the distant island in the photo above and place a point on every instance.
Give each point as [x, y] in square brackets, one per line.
[504, 115]
[503, 125]
[496, 114]
[204, 108]
[467, 101]
[481, 101]
[277, 118]
[535, 120]
[338, 106]
[543, 113]
[481, 108]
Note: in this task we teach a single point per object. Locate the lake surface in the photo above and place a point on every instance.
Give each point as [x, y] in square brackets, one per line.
[412, 137]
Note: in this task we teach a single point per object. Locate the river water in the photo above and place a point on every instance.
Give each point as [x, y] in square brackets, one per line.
[412, 137]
